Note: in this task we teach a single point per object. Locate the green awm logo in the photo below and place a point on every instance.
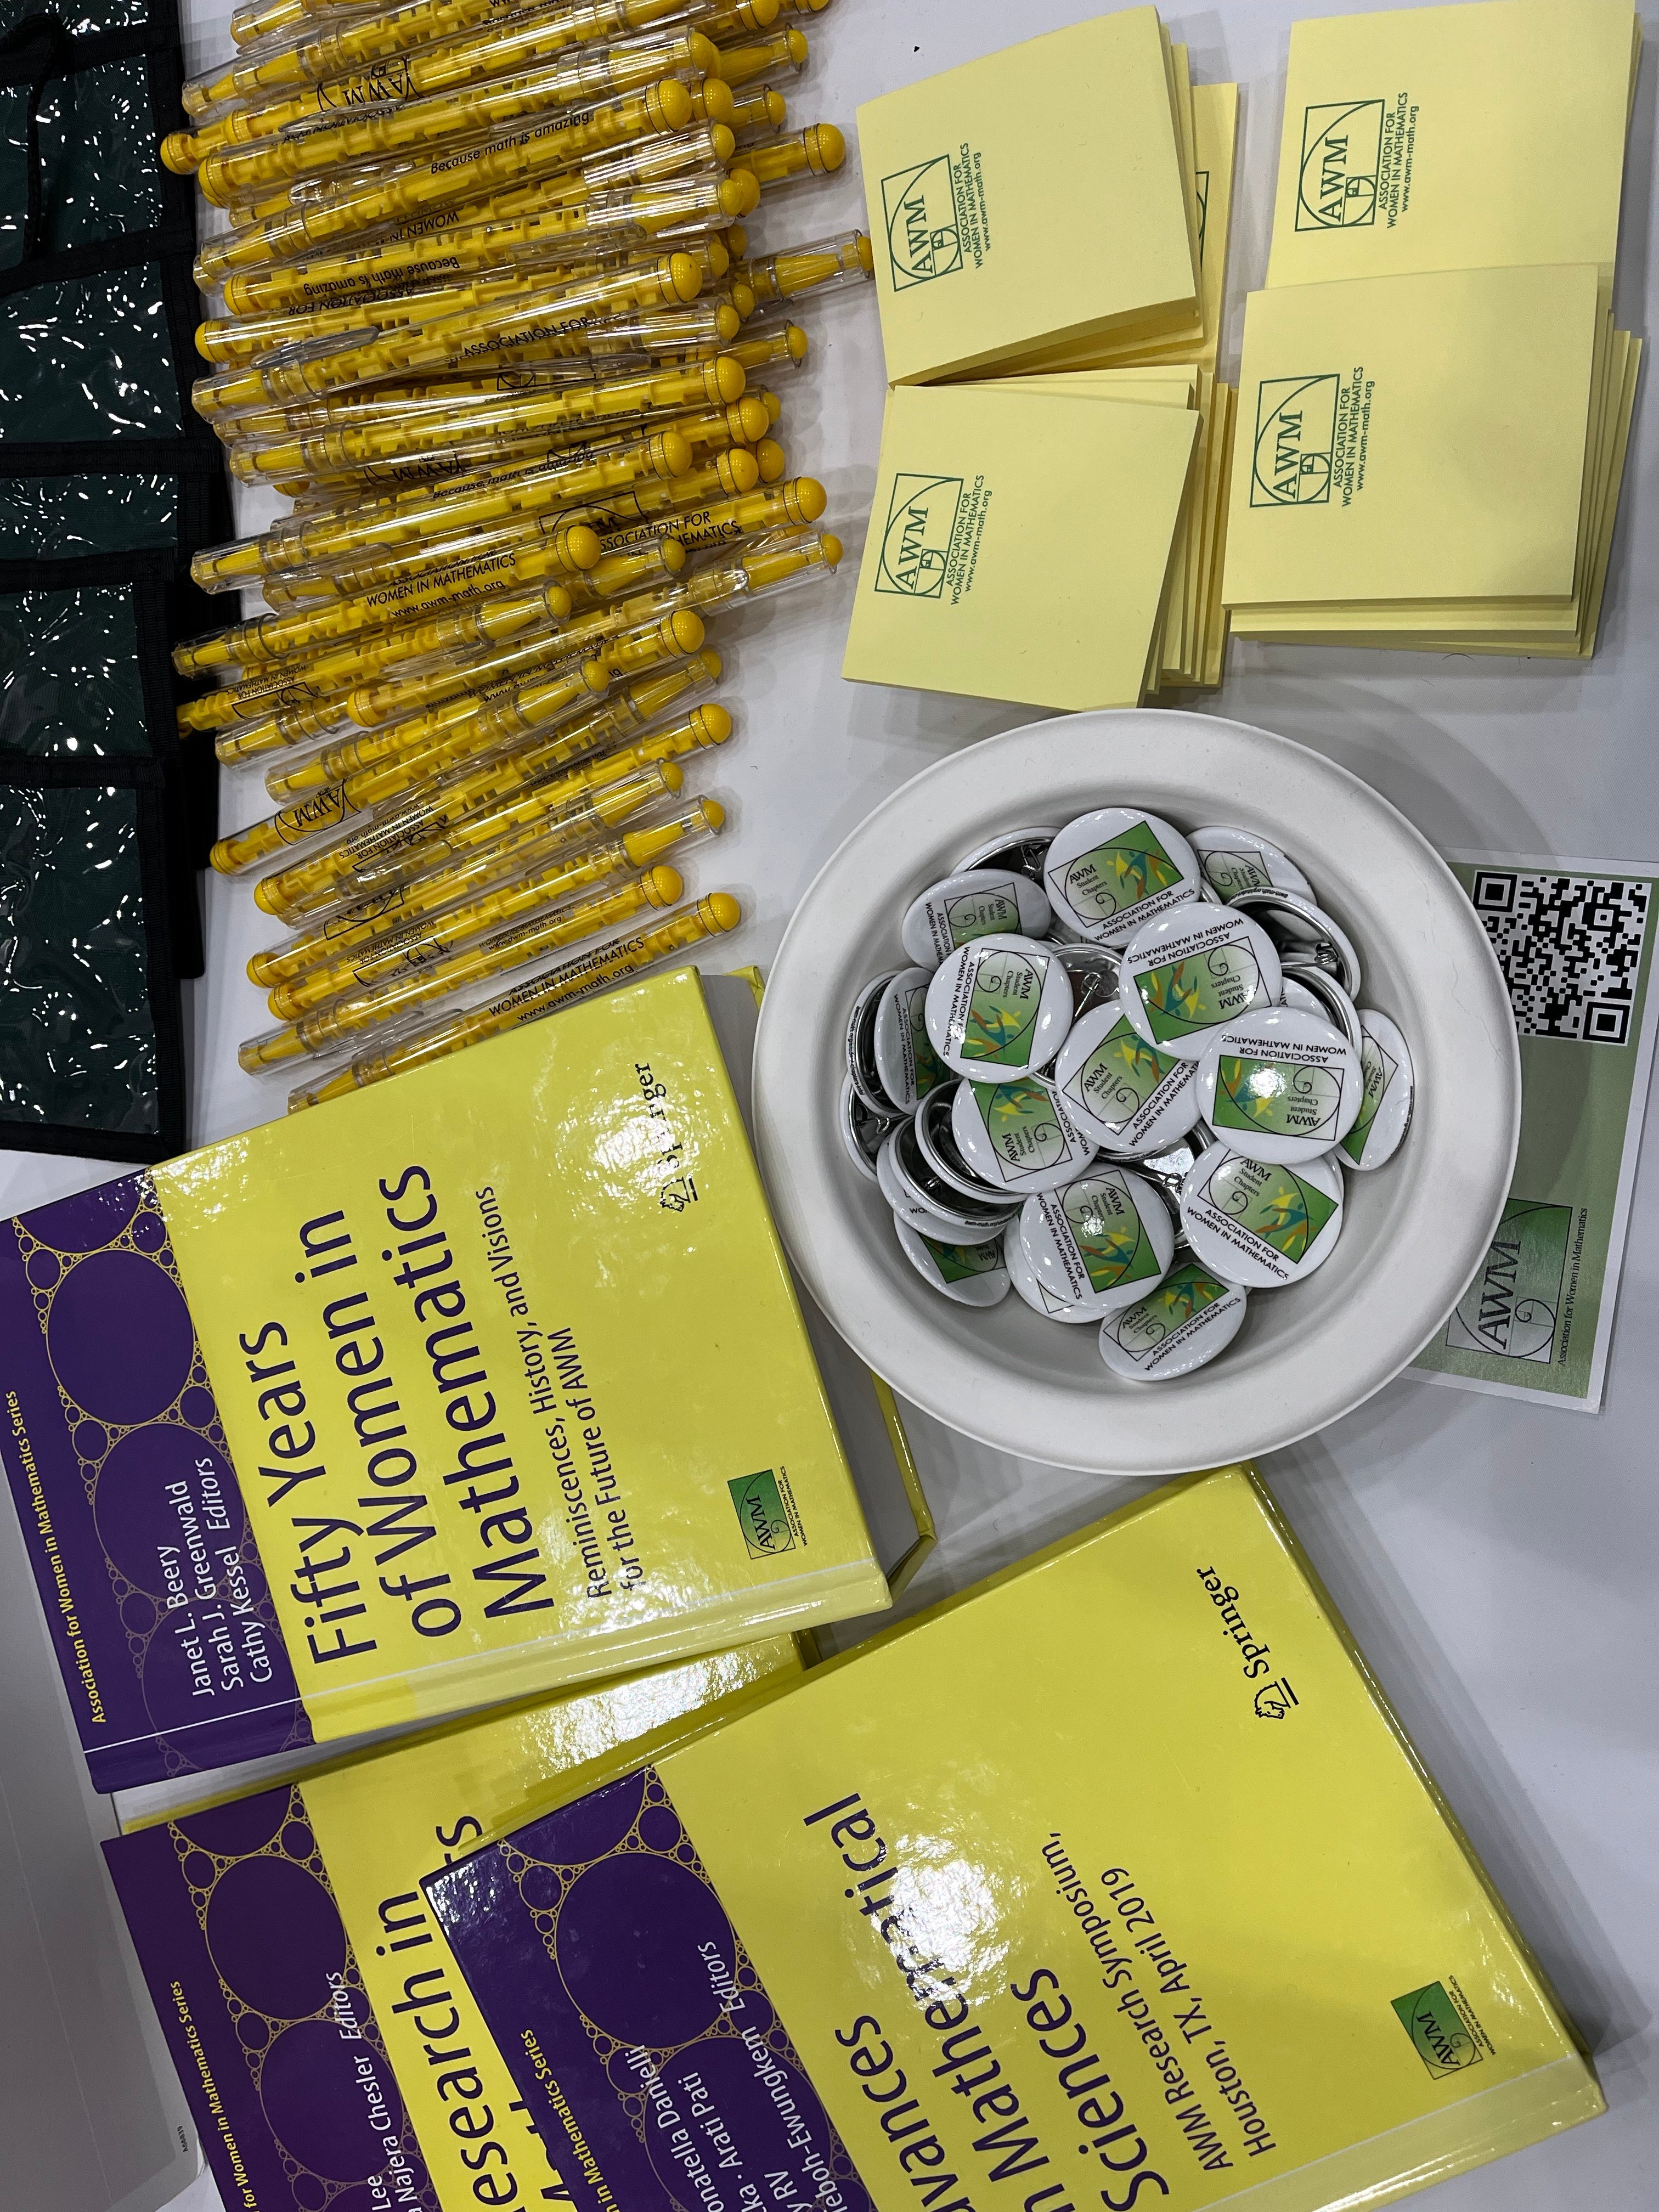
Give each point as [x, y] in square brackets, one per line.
[915, 546]
[924, 241]
[1341, 160]
[1295, 441]
[759, 1508]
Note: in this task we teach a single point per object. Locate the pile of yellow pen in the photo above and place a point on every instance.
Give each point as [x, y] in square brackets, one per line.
[490, 316]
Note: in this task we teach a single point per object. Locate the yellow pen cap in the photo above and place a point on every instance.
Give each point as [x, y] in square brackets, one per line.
[778, 277]
[712, 101]
[785, 48]
[764, 109]
[770, 344]
[772, 461]
[643, 845]
[818, 151]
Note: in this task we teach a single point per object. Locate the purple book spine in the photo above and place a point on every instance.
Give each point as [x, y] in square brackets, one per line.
[652, 2062]
[158, 1606]
[265, 2014]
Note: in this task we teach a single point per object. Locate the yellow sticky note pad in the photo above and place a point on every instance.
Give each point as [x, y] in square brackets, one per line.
[1415, 439]
[1035, 195]
[1019, 544]
[1453, 138]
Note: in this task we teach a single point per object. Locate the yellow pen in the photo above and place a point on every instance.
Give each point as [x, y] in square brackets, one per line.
[446, 810]
[501, 703]
[432, 913]
[662, 507]
[424, 186]
[774, 564]
[475, 111]
[779, 278]
[578, 978]
[806, 8]
[713, 101]
[818, 151]
[497, 954]
[750, 514]
[783, 49]
[774, 345]
[764, 109]
[728, 22]
[476, 805]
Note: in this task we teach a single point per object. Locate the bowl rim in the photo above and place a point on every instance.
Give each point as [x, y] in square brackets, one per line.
[794, 1132]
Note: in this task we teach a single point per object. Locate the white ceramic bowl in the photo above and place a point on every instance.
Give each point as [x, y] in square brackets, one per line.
[1416, 1230]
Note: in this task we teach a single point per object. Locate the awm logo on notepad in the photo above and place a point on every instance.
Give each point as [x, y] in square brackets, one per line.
[1341, 159]
[1295, 440]
[924, 240]
[915, 546]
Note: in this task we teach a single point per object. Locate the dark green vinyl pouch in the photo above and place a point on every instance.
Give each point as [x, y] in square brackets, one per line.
[91, 1037]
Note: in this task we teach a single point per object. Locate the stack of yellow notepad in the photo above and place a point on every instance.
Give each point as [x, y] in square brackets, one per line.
[1435, 405]
[1051, 229]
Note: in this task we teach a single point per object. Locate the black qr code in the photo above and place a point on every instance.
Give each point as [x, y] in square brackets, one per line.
[1569, 947]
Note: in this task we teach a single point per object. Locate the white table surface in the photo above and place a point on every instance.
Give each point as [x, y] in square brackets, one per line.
[1496, 1560]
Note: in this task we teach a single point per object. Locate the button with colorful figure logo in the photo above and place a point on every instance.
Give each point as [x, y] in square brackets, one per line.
[1259, 1224]
[903, 1166]
[1181, 1325]
[1023, 1276]
[861, 1047]
[1024, 851]
[1188, 973]
[1309, 987]
[862, 1132]
[1102, 1242]
[1018, 1136]
[1302, 930]
[970, 1274]
[999, 1008]
[936, 1138]
[980, 903]
[1093, 971]
[1281, 1084]
[1235, 860]
[1390, 1094]
[906, 1066]
[1128, 1096]
[1113, 869]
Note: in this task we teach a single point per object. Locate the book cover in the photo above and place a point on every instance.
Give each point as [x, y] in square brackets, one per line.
[479, 1383]
[1113, 1882]
[325, 2043]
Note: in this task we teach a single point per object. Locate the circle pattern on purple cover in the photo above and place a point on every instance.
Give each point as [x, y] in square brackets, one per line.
[247, 1824]
[596, 1823]
[275, 1936]
[92, 1218]
[157, 1342]
[315, 2101]
[627, 1947]
[130, 1504]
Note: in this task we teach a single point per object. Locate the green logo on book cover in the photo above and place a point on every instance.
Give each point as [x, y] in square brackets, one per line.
[1022, 1124]
[1002, 1011]
[1285, 1099]
[1377, 1068]
[1119, 1076]
[1106, 1229]
[1170, 1307]
[916, 543]
[1118, 874]
[1273, 1203]
[1341, 158]
[1200, 991]
[956, 1262]
[924, 237]
[1439, 2034]
[1295, 440]
[766, 1526]
[1513, 1307]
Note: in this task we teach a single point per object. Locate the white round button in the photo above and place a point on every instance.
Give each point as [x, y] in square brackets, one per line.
[970, 1274]
[1280, 1085]
[1188, 973]
[1302, 930]
[1111, 870]
[1024, 851]
[1102, 1242]
[978, 902]
[1235, 860]
[1023, 1276]
[1315, 991]
[1129, 1097]
[948, 1228]
[1019, 1136]
[906, 1066]
[909, 1170]
[861, 1047]
[1258, 1224]
[998, 1007]
[1390, 1094]
[862, 1132]
[1181, 1325]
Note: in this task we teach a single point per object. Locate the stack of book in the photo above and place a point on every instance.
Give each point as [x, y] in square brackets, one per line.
[1435, 404]
[1050, 228]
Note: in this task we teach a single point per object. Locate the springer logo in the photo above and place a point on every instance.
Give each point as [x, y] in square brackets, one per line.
[923, 239]
[1341, 156]
[1295, 439]
[916, 543]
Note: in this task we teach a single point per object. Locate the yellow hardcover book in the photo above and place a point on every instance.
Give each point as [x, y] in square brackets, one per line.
[1416, 438]
[1460, 137]
[1020, 545]
[1031, 197]
[322, 2032]
[483, 1382]
[1113, 1882]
